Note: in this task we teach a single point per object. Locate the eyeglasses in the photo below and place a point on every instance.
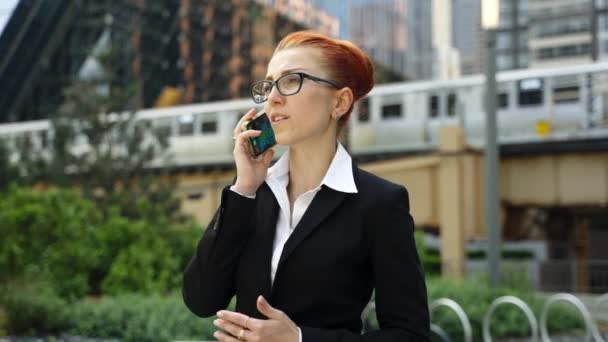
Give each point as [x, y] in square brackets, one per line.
[287, 85]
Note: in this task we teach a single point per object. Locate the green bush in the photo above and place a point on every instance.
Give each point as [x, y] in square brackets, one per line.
[138, 318]
[32, 307]
[82, 249]
[51, 231]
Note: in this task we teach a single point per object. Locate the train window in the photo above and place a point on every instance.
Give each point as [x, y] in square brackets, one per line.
[162, 127]
[391, 111]
[185, 124]
[208, 126]
[530, 92]
[451, 105]
[565, 94]
[503, 100]
[363, 110]
[434, 106]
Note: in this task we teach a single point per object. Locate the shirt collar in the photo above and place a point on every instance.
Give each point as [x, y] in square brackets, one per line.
[339, 175]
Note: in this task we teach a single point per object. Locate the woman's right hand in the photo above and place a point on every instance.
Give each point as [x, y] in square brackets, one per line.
[250, 171]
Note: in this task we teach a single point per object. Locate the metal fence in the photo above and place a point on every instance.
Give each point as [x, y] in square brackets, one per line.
[538, 327]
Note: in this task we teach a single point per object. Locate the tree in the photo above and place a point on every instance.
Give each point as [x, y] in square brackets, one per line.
[101, 148]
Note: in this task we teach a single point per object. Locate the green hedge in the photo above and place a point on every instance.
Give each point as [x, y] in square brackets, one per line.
[84, 250]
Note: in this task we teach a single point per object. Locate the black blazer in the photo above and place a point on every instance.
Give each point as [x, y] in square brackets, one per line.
[345, 246]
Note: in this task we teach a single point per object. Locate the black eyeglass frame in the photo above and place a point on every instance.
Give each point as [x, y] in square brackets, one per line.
[302, 75]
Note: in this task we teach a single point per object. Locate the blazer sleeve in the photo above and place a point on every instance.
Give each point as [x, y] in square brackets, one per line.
[401, 298]
[209, 278]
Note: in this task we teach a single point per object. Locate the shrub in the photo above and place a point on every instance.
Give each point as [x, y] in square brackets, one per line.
[139, 318]
[82, 249]
[51, 231]
[32, 307]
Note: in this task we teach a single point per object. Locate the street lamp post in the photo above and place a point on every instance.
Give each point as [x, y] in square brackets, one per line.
[490, 19]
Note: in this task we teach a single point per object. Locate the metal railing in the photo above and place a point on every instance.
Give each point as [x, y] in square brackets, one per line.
[514, 301]
[569, 298]
[539, 330]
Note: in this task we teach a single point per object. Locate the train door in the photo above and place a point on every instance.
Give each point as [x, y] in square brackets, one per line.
[392, 126]
[443, 109]
[519, 123]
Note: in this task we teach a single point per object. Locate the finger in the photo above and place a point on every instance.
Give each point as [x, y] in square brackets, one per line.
[231, 328]
[221, 336]
[267, 310]
[242, 138]
[248, 116]
[238, 318]
[267, 157]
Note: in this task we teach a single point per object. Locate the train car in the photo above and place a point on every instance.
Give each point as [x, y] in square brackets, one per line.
[567, 102]
[533, 105]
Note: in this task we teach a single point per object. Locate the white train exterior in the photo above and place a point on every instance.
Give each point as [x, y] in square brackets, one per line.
[398, 117]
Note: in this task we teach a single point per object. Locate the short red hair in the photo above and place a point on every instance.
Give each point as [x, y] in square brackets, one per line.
[348, 65]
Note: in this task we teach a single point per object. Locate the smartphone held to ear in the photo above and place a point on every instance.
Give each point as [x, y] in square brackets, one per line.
[266, 139]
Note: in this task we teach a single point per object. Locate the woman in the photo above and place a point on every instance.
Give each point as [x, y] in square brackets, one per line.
[304, 243]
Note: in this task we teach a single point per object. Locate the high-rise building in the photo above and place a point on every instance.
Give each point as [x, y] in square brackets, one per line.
[305, 13]
[562, 32]
[467, 37]
[379, 28]
[446, 62]
[203, 50]
[511, 35]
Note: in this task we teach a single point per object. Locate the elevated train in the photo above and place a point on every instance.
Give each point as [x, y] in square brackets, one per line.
[566, 103]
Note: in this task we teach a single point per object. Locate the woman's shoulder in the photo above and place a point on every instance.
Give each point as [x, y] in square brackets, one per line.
[371, 184]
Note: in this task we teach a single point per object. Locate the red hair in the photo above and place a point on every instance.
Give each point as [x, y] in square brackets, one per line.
[347, 65]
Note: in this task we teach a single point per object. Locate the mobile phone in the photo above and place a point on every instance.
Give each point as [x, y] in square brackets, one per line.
[266, 139]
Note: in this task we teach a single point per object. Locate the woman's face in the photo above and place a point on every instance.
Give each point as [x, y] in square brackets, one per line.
[306, 115]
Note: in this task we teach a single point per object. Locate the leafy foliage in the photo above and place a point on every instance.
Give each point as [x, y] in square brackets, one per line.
[81, 250]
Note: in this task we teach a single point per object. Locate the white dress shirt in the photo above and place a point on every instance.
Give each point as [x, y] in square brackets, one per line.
[339, 176]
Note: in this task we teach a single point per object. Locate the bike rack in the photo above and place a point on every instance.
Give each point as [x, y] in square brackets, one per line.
[566, 297]
[437, 330]
[514, 301]
[462, 316]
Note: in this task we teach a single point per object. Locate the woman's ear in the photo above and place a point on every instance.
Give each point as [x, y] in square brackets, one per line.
[344, 101]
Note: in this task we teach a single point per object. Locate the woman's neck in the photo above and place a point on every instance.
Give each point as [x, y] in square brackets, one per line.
[308, 164]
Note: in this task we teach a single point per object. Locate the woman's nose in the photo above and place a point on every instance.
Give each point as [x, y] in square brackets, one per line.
[274, 96]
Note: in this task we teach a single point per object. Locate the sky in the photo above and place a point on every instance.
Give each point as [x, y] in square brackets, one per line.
[6, 8]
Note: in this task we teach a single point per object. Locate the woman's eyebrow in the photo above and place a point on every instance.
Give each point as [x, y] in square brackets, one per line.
[284, 72]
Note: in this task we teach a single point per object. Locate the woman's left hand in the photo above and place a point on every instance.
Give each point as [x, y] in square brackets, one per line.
[277, 328]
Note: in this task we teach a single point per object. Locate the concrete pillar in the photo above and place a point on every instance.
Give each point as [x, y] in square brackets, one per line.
[451, 202]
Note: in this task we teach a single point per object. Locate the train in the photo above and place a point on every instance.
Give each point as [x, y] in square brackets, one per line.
[532, 105]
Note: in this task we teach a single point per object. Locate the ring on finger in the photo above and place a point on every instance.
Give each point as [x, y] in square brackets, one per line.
[241, 335]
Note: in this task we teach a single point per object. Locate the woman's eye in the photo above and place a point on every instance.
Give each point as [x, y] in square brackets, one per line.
[292, 79]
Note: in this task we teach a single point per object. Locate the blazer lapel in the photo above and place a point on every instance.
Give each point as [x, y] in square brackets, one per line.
[269, 212]
[324, 203]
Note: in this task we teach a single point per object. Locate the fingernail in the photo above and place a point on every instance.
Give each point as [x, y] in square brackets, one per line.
[216, 322]
[216, 334]
[220, 314]
[261, 299]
